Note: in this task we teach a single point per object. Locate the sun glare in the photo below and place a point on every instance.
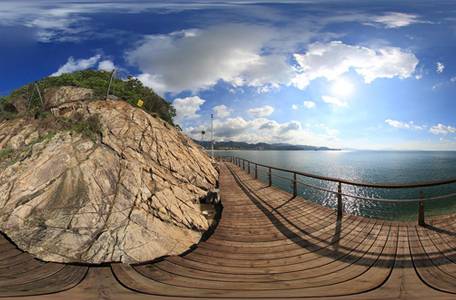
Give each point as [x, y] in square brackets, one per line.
[342, 88]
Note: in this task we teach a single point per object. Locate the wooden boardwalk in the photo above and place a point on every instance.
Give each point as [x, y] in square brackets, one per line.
[267, 245]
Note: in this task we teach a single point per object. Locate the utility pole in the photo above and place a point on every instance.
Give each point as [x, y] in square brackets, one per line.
[212, 135]
[110, 82]
[39, 94]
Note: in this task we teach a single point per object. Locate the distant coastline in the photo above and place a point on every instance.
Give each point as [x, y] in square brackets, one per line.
[230, 145]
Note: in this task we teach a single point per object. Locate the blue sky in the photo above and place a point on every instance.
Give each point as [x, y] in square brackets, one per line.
[351, 74]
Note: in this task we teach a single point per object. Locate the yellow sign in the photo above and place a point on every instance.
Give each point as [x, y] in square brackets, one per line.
[140, 103]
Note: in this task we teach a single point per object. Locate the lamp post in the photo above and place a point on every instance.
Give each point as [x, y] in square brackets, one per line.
[212, 135]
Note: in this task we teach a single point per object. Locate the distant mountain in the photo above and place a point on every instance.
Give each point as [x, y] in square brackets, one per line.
[230, 145]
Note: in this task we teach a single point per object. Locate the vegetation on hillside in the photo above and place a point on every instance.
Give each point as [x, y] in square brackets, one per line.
[130, 90]
[231, 145]
[89, 127]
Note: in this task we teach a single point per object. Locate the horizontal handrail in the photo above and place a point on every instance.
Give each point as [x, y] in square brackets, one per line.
[361, 184]
[246, 165]
[402, 200]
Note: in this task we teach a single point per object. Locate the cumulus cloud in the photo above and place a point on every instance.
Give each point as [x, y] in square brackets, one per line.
[221, 111]
[396, 19]
[262, 111]
[187, 108]
[309, 104]
[77, 64]
[153, 82]
[198, 59]
[106, 65]
[439, 67]
[333, 59]
[290, 126]
[442, 129]
[294, 107]
[337, 102]
[403, 125]
[73, 65]
[266, 130]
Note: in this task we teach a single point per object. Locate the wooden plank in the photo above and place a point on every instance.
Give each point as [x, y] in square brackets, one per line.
[267, 245]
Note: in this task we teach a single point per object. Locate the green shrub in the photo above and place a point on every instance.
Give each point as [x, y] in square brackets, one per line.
[7, 110]
[90, 127]
[6, 153]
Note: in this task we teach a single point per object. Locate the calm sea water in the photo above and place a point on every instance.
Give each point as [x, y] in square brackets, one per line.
[369, 167]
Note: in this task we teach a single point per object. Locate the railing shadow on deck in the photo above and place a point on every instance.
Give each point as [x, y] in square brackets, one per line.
[332, 247]
[375, 200]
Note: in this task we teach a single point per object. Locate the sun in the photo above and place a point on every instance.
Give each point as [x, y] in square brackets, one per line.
[342, 88]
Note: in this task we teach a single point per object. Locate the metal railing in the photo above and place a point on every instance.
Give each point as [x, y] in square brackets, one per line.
[253, 169]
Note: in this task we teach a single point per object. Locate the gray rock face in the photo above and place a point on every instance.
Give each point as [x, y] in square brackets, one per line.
[131, 196]
[20, 103]
[59, 95]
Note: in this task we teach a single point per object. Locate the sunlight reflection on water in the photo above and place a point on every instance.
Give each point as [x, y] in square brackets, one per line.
[363, 166]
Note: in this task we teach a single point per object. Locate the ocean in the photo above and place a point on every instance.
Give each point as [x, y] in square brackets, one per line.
[395, 167]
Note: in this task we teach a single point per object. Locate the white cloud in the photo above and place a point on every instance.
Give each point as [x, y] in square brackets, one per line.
[332, 60]
[294, 107]
[403, 125]
[153, 82]
[267, 131]
[453, 79]
[106, 65]
[73, 65]
[290, 126]
[439, 67]
[68, 21]
[187, 108]
[198, 59]
[396, 19]
[334, 101]
[309, 104]
[442, 129]
[221, 111]
[262, 111]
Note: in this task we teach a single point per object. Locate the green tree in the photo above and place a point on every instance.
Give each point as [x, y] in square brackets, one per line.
[130, 90]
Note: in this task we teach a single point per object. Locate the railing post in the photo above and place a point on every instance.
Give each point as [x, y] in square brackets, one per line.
[243, 164]
[270, 176]
[248, 167]
[339, 201]
[295, 185]
[421, 210]
[256, 171]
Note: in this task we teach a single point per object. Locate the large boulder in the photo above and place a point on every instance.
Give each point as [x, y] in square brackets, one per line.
[20, 104]
[56, 96]
[130, 195]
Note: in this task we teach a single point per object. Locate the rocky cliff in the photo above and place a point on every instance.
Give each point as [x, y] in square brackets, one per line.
[131, 193]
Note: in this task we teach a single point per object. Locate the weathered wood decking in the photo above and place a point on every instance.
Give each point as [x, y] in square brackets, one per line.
[267, 245]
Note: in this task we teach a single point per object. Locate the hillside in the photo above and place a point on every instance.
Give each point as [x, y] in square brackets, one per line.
[230, 145]
[91, 181]
[26, 100]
